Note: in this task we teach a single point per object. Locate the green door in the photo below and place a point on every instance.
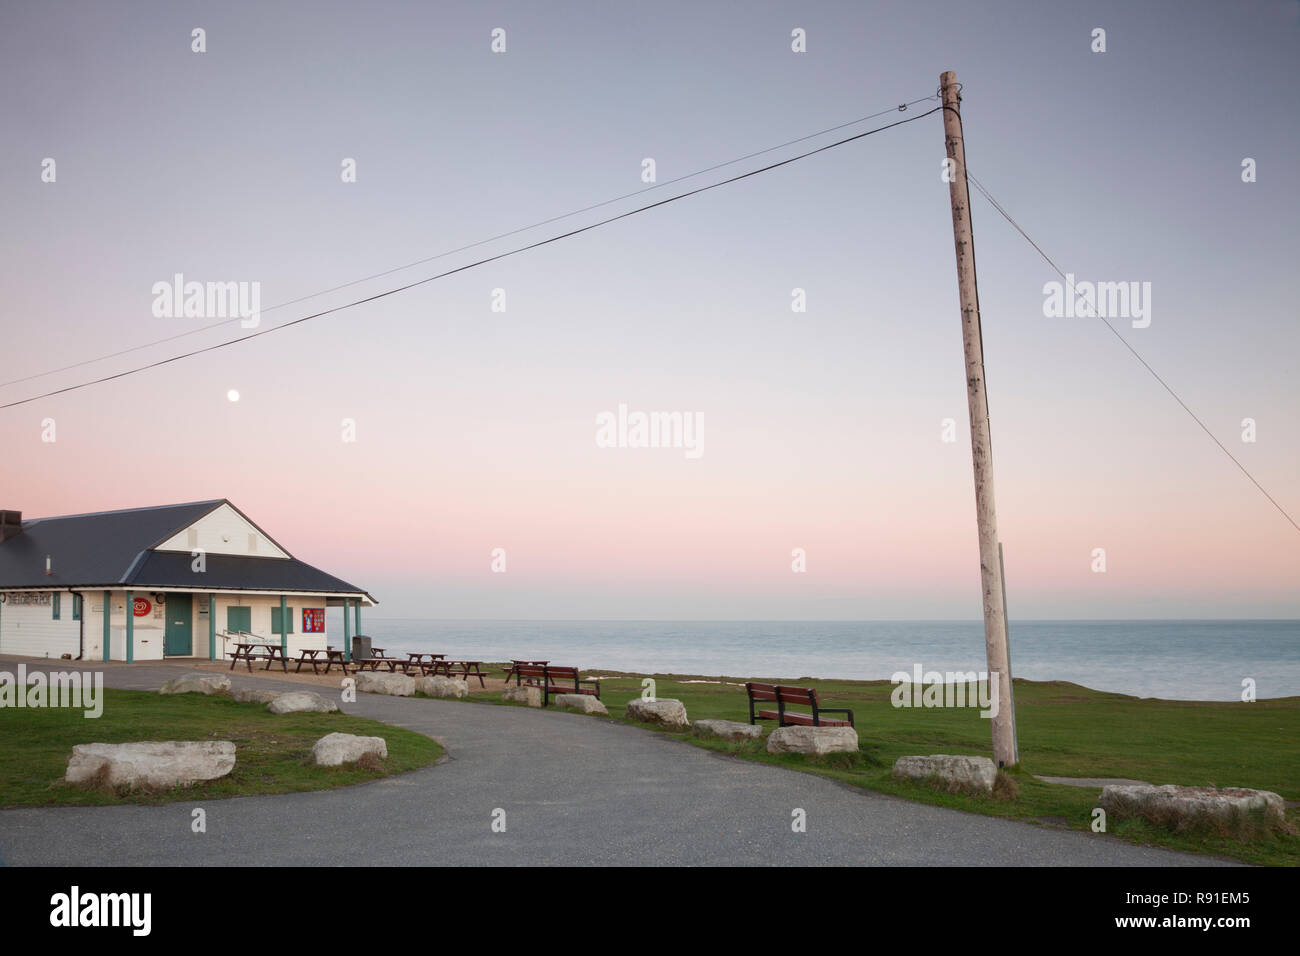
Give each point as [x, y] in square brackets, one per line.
[179, 614]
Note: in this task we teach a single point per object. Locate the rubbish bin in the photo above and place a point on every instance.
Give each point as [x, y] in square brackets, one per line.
[360, 647]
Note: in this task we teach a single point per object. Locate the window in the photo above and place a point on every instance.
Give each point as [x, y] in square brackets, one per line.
[239, 619]
[275, 619]
[76, 607]
[54, 603]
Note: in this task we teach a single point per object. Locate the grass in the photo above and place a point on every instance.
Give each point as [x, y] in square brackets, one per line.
[1065, 730]
[271, 752]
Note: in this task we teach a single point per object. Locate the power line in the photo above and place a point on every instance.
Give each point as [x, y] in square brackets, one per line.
[1145, 364]
[902, 107]
[499, 256]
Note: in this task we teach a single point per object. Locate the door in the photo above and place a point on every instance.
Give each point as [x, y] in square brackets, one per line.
[179, 638]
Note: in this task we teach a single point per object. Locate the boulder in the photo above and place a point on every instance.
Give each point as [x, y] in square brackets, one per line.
[442, 687]
[301, 701]
[197, 684]
[961, 772]
[729, 729]
[812, 740]
[396, 685]
[1184, 807]
[663, 711]
[249, 695]
[523, 694]
[583, 702]
[333, 750]
[150, 764]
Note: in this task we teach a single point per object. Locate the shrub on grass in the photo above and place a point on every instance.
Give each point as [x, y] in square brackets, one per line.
[955, 787]
[1239, 825]
[1005, 786]
[370, 762]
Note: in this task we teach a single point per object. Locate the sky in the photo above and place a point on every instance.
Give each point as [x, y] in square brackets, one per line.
[474, 429]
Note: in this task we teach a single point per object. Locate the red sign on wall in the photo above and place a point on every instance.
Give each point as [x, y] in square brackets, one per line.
[313, 620]
[142, 607]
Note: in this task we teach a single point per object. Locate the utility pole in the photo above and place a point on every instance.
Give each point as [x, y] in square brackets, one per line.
[1006, 753]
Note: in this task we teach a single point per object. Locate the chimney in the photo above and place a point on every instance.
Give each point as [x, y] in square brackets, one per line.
[11, 523]
[48, 569]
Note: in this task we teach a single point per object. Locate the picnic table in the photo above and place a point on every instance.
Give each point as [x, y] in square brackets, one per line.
[465, 669]
[425, 661]
[259, 652]
[373, 663]
[414, 660]
[312, 656]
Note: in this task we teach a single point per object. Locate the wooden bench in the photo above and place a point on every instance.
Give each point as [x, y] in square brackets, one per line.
[555, 680]
[799, 696]
[515, 663]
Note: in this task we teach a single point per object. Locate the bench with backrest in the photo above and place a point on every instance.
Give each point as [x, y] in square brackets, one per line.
[783, 696]
[555, 680]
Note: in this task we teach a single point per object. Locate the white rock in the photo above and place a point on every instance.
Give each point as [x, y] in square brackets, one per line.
[335, 749]
[396, 685]
[812, 740]
[975, 773]
[528, 694]
[153, 764]
[300, 701]
[1189, 806]
[729, 729]
[663, 711]
[249, 695]
[583, 702]
[442, 686]
[196, 684]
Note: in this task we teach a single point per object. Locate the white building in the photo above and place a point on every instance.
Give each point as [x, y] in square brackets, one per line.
[196, 577]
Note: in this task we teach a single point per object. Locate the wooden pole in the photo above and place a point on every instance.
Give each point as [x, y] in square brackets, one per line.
[1005, 750]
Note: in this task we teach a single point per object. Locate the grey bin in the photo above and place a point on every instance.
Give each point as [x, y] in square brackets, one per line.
[360, 646]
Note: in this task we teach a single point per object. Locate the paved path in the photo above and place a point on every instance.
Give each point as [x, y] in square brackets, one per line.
[576, 790]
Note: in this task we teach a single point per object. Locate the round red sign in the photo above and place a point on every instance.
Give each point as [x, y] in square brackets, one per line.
[142, 607]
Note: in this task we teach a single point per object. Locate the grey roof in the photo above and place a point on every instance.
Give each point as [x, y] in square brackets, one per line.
[115, 549]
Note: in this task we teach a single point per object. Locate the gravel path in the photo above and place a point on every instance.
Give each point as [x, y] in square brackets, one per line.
[575, 790]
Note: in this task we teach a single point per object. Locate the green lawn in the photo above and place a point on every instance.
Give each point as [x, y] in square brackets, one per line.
[271, 752]
[1065, 730]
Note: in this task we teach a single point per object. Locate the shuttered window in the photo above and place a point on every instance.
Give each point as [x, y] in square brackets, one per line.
[275, 619]
[239, 619]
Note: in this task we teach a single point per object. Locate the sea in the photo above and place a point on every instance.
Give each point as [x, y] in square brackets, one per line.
[1175, 660]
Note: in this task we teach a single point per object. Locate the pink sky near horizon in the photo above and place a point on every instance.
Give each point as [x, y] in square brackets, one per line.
[609, 533]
